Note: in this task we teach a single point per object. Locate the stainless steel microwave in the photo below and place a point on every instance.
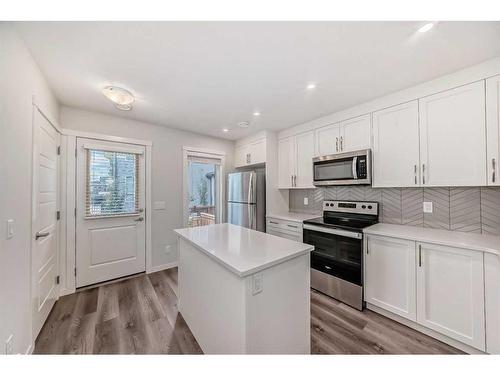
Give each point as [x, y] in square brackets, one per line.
[348, 168]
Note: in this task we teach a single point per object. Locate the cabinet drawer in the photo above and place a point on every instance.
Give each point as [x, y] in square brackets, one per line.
[286, 225]
[285, 234]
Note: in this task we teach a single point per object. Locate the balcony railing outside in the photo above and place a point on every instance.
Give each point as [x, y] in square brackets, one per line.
[201, 215]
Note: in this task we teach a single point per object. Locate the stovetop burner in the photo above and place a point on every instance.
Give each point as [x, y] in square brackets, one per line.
[347, 215]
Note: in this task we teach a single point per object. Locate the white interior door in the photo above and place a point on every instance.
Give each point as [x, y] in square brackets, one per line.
[44, 219]
[110, 220]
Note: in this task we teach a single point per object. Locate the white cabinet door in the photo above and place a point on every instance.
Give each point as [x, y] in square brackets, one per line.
[492, 302]
[257, 152]
[493, 128]
[304, 147]
[355, 133]
[452, 137]
[390, 275]
[450, 292]
[241, 155]
[286, 162]
[395, 150]
[328, 140]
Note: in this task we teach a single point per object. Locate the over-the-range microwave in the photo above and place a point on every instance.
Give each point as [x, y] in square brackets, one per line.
[348, 168]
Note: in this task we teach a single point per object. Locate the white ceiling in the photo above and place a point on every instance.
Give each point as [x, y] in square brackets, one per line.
[204, 76]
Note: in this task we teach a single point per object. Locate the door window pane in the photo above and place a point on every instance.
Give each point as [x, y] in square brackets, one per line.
[202, 185]
[112, 183]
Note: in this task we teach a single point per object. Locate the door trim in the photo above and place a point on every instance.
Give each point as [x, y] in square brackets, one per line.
[58, 227]
[202, 152]
[68, 205]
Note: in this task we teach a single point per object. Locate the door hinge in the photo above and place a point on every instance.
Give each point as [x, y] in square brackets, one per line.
[58, 279]
[58, 215]
[58, 150]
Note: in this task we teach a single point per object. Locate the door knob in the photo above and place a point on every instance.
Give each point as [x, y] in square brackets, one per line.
[139, 219]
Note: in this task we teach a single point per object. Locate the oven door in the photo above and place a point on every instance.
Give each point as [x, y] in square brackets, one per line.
[336, 252]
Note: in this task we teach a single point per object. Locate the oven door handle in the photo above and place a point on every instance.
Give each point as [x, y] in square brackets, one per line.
[338, 232]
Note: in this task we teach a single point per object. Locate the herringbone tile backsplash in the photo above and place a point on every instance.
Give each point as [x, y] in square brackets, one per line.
[470, 209]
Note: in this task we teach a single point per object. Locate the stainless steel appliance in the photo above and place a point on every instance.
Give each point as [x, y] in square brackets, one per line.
[348, 168]
[246, 199]
[337, 258]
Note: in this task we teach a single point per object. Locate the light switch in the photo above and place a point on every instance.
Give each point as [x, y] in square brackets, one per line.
[10, 228]
[428, 207]
[159, 205]
[306, 201]
[257, 283]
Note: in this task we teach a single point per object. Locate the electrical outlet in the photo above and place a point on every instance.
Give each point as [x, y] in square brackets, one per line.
[9, 345]
[257, 283]
[428, 207]
[306, 201]
[168, 249]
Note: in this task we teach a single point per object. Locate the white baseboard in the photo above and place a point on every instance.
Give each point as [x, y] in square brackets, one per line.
[162, 267]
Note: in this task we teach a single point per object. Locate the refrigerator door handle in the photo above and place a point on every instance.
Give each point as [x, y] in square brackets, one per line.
[250, 189]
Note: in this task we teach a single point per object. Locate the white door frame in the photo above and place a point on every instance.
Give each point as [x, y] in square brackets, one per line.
[68, 182]
[203, 153]
[34, 199]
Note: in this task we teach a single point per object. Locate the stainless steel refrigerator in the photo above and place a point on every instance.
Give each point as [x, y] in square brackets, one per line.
[246, 199]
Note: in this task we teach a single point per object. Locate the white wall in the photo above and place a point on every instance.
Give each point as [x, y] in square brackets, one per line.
[20, 79]
[166, 167]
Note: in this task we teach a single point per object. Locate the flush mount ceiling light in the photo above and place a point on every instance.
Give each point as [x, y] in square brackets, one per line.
[122, 98]
[426, 27]
[311, 86]
[225, 130]
[256, 113]
[243, 124]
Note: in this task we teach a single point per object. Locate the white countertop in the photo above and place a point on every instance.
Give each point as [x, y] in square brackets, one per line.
[472, 241]
[241, 250]
[293, 216]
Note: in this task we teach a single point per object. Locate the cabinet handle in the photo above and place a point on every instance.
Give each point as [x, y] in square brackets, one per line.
[415, 172]
[420, 255]
[423, 174]
[341, 143]
[291, 176]
[337, 144]
[272, 222]
[41, 235]
[493, 164]
[295, 180]
[292, 226]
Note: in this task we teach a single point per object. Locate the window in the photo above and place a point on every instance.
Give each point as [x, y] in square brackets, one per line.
[112, 183]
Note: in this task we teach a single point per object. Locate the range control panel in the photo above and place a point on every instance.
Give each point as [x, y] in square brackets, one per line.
[356, 207]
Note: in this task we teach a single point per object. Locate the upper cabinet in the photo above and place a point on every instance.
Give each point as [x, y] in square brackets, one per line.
[295, 156]
[250, 154]
[396, 160]
[492, 128]
[355, 133]
[453, 137]
[349, 135]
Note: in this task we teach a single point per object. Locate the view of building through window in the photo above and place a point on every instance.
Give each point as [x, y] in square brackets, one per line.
[202, 193]
[111, 183]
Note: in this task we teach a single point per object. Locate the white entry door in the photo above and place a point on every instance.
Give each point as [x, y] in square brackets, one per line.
[110, 222]
[44, 219]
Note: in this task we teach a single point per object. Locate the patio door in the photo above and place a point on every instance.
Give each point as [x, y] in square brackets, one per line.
[110, 220]
[203, 187]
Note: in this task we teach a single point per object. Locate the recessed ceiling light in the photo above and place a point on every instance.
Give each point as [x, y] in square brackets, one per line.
[311, 86]
[426, 27]
[243, 124]
[256, 113]
[225, 130]
[122, 98]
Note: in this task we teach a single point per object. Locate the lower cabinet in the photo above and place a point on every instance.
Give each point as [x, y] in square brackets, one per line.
[290, 230]
[492, 302]
[438, 287]
[450, 292]
[390, 275]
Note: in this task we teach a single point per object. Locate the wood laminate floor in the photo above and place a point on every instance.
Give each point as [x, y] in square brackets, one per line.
[139, 315]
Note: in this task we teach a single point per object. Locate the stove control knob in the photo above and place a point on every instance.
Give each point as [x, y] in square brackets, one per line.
[370, 207]
[363, 206]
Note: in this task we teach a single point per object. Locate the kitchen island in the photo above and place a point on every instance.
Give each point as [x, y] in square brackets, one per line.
[243, 291]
